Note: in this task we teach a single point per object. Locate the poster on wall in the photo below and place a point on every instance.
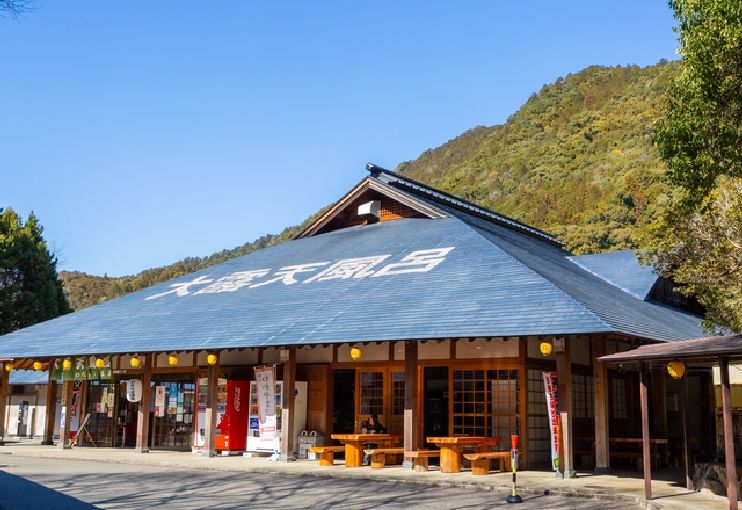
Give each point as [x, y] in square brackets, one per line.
[265, 378]
[550, 387]
[160, 401]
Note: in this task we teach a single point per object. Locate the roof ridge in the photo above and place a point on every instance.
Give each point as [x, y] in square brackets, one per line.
[391, 177]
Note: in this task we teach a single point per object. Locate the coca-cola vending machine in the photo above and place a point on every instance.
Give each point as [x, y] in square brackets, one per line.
[231, 415]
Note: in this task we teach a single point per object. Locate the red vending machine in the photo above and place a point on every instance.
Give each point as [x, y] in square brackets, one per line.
[231, 414]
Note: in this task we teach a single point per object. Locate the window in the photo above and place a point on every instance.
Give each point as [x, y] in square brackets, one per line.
[582, 396]
[539, 438]
[372, 393]
[486, 402]
[619, 399]
[398, 393]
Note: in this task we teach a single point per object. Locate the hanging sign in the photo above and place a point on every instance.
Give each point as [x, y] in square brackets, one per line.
[264, 376]
[83, 369]
[134, 390]
[550, 387]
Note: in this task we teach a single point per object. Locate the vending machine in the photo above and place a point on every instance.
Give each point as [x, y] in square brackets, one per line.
[254, 441]
[231, 415]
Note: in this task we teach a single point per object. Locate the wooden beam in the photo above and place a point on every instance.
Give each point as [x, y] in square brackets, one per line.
[600, 395]
[64, 429]
[564, 398]
[287, 407]
[646, 449]
[731, 462]
[51, 409]
[143, 415]
[686, 442]
[212, 387]
[4, 385]
[411, 407]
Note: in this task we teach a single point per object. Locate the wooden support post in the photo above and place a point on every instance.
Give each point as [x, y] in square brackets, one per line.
[659, 401]
[4, 385]
[731, 461]
[64, 428]
[686, 442]
[646, 449]
[411, 408]
[51, 410]
[564, 398]
[600, 394]
[212, 387]
[143, 416]
[287, 407]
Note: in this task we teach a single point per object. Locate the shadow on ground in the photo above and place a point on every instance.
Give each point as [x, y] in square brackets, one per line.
[20, 493]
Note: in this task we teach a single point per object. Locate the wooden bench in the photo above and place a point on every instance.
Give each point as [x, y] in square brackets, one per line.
[378, 455]
[420, 458]
[480, 462]
[326, 454]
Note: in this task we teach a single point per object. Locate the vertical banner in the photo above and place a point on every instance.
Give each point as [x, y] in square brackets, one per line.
[57, 370]
[550, 387]
[264, 376]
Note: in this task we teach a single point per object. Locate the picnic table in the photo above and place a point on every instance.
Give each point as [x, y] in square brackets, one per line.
[451, 455]
[354, 445]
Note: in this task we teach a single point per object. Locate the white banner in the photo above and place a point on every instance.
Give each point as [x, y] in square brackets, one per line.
[160, 401]
[550, 387]
[266, 402]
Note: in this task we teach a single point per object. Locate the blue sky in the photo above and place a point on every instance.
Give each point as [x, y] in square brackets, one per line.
[144, 133]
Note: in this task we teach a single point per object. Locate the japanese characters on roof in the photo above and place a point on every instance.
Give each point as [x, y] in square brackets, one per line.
[420, 261]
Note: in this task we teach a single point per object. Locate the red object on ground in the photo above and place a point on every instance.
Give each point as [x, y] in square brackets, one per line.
[231, 431]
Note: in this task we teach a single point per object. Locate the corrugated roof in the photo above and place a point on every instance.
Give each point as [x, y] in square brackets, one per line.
[29, 377]
[482, 277]
[621, 269]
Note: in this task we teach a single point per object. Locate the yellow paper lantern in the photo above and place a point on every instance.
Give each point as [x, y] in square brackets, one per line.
[676, 369]
[173, 360]
[211, 359]
[100, 362]
[355, 353]
[37, 365]
[134, 362]
[8, 367]
[545, 348]
[67, 364]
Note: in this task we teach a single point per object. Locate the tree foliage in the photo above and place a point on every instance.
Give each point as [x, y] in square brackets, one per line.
[15, 8]
[702, 251]
[30, 291]
[700, 138]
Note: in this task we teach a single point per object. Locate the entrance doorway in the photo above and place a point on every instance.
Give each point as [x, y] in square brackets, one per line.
[343, 406]
[173, 430]
[435, 405]
[380, 391]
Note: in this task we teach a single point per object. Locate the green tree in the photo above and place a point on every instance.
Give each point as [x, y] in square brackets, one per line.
[700, 138]
[30, 291]
[697, 241]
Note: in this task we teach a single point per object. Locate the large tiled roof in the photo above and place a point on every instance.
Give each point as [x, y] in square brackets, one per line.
[622, 269]
[483, 276]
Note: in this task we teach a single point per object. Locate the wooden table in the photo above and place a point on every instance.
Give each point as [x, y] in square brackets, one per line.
[451, 461]
[354, 445]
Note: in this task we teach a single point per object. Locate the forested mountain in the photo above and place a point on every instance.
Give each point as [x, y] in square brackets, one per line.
[575, 160]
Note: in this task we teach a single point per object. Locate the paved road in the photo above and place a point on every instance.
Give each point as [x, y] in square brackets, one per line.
[37, 483]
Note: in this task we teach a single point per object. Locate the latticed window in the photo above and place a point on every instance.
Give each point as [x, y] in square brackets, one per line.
[398, 393]
[539, 437]
[582, 396]
[619, 399]
[486, 402]
[372, 393]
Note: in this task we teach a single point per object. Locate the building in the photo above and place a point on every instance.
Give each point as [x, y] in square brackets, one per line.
[448, 303]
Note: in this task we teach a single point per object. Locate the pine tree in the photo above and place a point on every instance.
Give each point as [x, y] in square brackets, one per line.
[30, 290]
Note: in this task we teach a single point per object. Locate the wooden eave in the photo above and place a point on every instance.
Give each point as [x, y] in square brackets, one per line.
[371, 183]
[702, 351]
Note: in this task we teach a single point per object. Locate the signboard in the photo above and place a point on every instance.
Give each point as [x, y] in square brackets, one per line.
[160, 401]
[264, 376]
[83, 369]
[254, 423]
[550, 387]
